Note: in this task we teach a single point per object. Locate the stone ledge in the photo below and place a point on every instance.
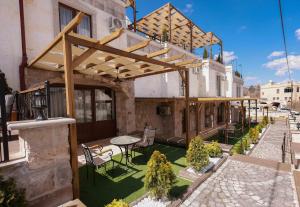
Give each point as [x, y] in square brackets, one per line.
[29, 124]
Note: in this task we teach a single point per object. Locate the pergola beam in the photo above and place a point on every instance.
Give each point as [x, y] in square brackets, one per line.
[138, 46]
[73, 23]
[74, 39]
[158, 53]
[91, 51]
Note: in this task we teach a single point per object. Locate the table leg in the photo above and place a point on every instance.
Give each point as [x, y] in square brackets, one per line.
[121, 154]
[126, 154]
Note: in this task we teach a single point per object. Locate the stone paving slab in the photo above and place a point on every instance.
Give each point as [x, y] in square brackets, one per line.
[269, 146]
[242, 184]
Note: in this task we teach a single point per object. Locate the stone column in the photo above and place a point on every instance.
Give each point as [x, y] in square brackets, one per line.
[45, 172]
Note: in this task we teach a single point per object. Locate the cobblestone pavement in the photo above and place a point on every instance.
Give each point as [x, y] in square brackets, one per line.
[242, 184]
[270, 146]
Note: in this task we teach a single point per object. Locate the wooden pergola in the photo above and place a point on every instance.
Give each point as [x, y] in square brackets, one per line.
[180, 30]
[199, 103]
[71, 53]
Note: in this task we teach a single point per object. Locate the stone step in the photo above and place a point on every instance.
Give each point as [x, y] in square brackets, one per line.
[263, 162]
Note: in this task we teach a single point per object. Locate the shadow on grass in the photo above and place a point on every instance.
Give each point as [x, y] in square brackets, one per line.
[127, 183]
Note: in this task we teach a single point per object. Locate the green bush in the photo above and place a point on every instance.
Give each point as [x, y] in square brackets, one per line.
[197, 155]
[159, 177]
[259, 128]
[117, 203]
[265, 121]
[237, 148]
[214, 149]
[253, 135]
[10, 195]
[246, 143]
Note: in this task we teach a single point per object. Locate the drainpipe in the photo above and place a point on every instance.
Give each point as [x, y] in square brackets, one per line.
[23, 64]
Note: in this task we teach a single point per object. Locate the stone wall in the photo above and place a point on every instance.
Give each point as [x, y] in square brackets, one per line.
[45, 173]
[146, 114]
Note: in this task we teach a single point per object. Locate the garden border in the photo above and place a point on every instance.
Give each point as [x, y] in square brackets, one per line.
[261, 138]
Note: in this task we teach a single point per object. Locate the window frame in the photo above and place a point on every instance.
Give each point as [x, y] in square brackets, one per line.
[74, 13]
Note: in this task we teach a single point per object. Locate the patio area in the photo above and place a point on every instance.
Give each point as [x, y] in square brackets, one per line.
[125, 183]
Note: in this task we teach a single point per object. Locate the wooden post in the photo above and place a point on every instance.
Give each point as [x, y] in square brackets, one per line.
[249, 117]
[70, 102]
[226, 121]
[170, 23]
[221, 47]
[191, 37]
[256, 110]
[268, 113]
[187, 107]
[197, 119]
[134, 15]
[243, 116]
[263, 112]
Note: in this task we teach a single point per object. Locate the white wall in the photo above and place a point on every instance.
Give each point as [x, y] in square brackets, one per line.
[10, 41]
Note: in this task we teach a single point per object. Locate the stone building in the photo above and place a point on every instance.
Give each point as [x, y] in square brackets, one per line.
[105, 108]
[280, 92]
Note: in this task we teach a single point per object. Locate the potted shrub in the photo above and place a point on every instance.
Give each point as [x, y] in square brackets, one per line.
[265, 121]
[253, 135]
[237, 148]
[117, 203]
[214, 149]
[10, 195]
[160, 176]
[197, 155]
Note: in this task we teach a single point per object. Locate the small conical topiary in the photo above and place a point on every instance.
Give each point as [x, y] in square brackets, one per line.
[117, 203]
[197, 154]
[159, 177]
[205, 53]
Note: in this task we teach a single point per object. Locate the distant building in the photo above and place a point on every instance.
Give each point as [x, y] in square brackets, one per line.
[252, 91]
[280, 92]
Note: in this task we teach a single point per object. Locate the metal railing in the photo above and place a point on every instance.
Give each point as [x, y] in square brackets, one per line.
[25, 102]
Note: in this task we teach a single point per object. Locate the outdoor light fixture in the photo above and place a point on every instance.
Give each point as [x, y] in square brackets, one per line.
[118, 80]
[39, 104]
[298, 126]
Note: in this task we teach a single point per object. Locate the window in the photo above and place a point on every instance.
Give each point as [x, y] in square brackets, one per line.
[288, 90]
[83, 106]
[277, 98]
[285, 98]
[298, 89]
[221, 113]
[104, 100]
[207, 116]
[238, 91]
[277, 91]
[274, 98]
[66, 14]
[218, 85]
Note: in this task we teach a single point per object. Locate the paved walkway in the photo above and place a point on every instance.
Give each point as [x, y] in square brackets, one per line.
[270, 145]
[256, 180]
[239, 183]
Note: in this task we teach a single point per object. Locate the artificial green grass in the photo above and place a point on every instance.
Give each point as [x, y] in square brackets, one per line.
[128, 184]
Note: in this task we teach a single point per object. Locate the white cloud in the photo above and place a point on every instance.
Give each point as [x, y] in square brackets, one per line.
[242, 28]
[297, 33]
[229, 56]
[276, 54]
[188, 8]
[250, 78]
[280, 65]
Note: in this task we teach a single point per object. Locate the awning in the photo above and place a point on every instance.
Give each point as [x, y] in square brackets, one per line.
[182, 29]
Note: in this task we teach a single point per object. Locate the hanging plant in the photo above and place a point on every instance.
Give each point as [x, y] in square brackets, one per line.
[165, 35]
[205, 53]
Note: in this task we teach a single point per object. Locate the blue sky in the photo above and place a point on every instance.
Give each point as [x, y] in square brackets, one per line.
[250, 30]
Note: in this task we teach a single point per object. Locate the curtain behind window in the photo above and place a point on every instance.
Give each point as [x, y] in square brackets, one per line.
[65, 16]
[84, 28]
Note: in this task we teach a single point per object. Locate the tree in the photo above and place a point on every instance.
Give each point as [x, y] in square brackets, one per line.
[7, 89]
[197, 154]
[205, 53]
[165, 35]
[159, 177]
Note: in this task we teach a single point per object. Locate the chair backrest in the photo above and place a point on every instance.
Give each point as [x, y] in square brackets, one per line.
[88, 155]
[149, 135]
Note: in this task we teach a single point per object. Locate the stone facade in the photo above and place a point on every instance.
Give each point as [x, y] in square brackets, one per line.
[174, 125]
[45, 173]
